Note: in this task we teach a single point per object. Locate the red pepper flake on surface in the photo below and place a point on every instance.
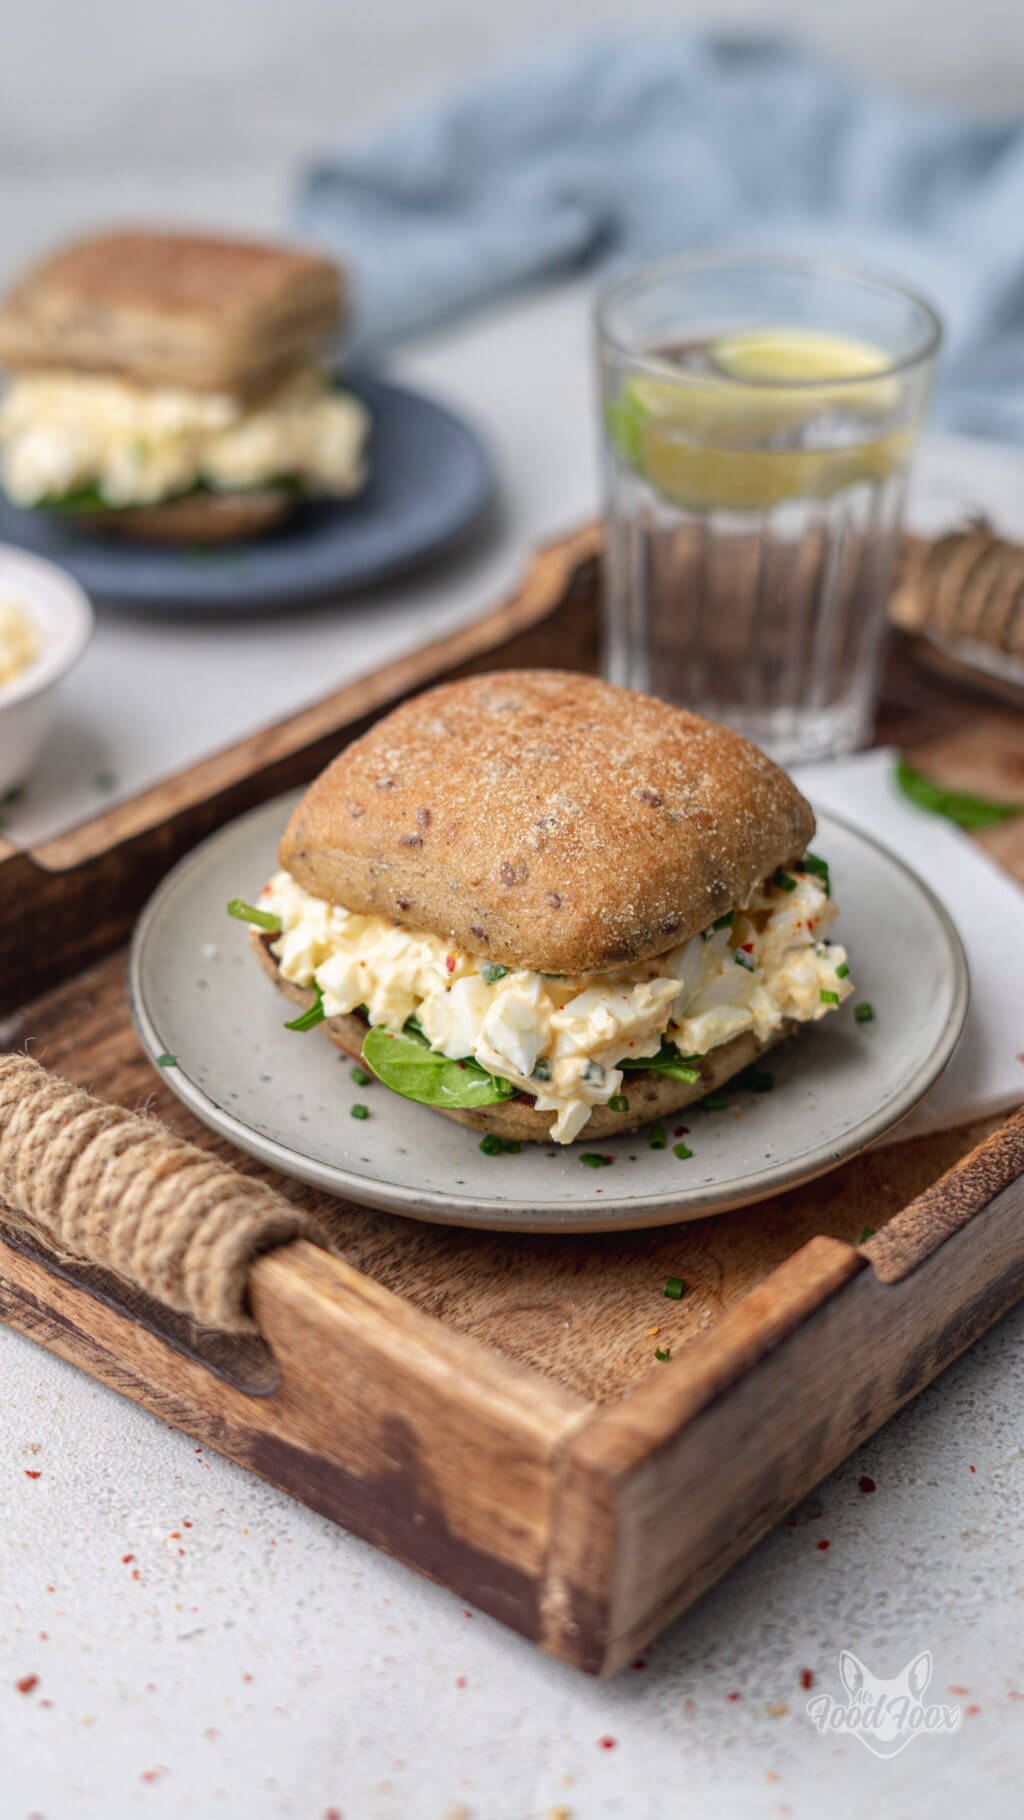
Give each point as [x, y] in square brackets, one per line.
[734, 1696]
[972, 1469]
[971, 1710]
[154, 1775]
[186, 1525]
[27, 1683]
[864, 1483]
[959, 1690]
[807, 1679]
[127, 1558]
[607, 1743]
[823, 1545]
[638, 1664]
[460, 1681]
[449, 961]
[38, 1475]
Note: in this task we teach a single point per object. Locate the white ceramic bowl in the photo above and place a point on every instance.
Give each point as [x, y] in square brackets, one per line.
[60, 612]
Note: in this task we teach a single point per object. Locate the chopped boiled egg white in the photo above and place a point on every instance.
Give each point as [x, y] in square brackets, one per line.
[62, 430]
[562, 1041]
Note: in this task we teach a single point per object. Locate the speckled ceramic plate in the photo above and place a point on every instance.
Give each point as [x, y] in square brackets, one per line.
[198, 995]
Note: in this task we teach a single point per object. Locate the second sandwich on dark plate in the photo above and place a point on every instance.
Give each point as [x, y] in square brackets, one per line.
[169, 387]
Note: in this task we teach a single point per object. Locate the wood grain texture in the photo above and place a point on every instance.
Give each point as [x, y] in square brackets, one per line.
[386, 1422]
[72, 899]
[488, 1407]
[579, 1309]
[634, 1546]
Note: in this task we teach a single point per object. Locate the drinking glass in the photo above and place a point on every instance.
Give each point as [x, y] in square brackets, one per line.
[758, 421]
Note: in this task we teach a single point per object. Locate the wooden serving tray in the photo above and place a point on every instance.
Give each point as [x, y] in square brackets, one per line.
[489, 1408]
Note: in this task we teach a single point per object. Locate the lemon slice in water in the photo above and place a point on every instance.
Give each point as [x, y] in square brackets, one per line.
[692, 437]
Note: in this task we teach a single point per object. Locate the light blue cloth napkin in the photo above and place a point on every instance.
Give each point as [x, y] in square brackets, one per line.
[664, 140]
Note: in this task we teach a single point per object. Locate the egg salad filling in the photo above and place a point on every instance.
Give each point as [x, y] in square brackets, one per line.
[19, 645]
[569, 1043]
[65, 434]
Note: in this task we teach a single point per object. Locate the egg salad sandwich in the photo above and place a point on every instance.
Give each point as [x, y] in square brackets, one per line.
[167, 386]
[546, 905]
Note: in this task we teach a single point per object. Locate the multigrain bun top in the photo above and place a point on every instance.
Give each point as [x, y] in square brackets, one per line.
[173, 309]
[546, 820]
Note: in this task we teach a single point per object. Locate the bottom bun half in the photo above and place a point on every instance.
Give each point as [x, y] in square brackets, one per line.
[195, 518]
[651, 1095]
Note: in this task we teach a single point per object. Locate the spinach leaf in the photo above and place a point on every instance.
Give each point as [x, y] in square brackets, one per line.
[408, 1066]
[314, 1015]
[668, 1061]
[966, 811]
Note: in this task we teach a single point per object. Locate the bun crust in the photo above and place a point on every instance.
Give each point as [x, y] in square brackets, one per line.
[202, 518]
[173, 309]
[651, 1095]
[547, 820]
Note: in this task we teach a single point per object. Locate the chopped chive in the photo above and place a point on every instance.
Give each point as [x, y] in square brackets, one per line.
[744, 960]
[674, 1287]
[618, 1103]
[491, 1145]
[541, 1070]
[867, 1232]
[512, 1146]
[714, 1102]
[105, 781]
[819, 868]
[724, 922]
[755, 1080]
[829, 998]
[842, 971]
[784, 880]
[593, 1161]
[308, 1020]
[656, 1138]
[865, 1013]
[360, 1076]
[359, 1112]
[490, 972]
[663, 1354]
[247, 913]
[682, 1151]
[167, 1061]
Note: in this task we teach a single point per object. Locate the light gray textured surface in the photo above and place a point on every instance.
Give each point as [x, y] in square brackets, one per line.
[354, 1703]
[277, 1667]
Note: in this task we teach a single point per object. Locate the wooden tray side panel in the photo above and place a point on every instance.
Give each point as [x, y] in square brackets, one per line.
[405, 1433]
[66, 904]
[706, 1494]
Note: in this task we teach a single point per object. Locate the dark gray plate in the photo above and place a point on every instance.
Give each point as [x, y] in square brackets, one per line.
[430, 479]
[197, 994]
